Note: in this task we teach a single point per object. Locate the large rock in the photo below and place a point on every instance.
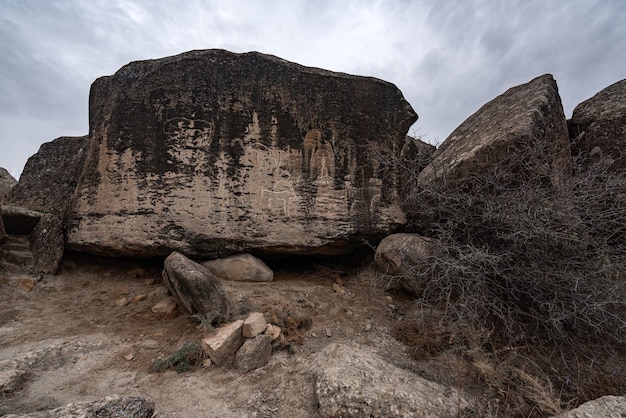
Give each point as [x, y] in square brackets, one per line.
[523, 132]
[3, 232]
[240, 268]
[210, 153]
[598, 127]
[354, 382]
[199, 291]
[7, 181]
[254, 353]
[50, 176]
[109, 407]
[47, 244]
[47, 185]
[408, 258]
[604, 407]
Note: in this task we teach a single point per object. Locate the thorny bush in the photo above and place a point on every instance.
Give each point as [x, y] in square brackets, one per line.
[531, 264]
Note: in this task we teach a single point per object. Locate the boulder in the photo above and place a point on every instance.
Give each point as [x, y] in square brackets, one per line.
[7, 181]
[198, 290]
[254, 325]
[254, 353]
[50, 176]
[407, 257]
[19, 220]
[211, 153]
[109, 407]
[604, 407]
[3, 232]
[47, 244]
[355, 382]
[240, 267]
[598, 127]
[519, 134]
[224, 342]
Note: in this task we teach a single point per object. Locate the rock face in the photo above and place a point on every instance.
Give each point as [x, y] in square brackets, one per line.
[7, 181]
[210, 153]
[354, 382]
[523, 130]
[199, 291]
[47, 185]
[240, 268]
[598, 126]
[604, 407]
[50, 176]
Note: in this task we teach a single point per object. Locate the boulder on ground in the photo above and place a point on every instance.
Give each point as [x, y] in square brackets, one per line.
[355, 382]
[254, 353]
[405, 256]
[198, 290]
[254, 325]
[7, 181]
[50, 176]
[598, 127]
[211, 153]
[109, 407]
[604, 407]
[240, 268]
[224, 342]
[521, 133]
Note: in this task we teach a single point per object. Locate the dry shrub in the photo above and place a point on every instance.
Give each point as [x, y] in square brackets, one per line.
[534, 266]
[293, 323]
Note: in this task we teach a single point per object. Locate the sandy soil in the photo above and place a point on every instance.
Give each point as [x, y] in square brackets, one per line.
[77, 344]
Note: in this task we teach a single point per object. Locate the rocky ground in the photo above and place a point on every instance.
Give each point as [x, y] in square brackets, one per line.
[71, 338]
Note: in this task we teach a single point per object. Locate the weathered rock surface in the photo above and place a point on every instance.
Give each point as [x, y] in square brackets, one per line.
[224, 342]
[19, 220]
[354, 382]
[254, 325]
[199, 291]
[211, 153]
[47, 244]
[3, 232]
[241, 268]
[604, 407]
[7, 181]
[598, 127]
[254, 353]
[523, 131]
[50, 176]
[109, 407]
[405, 256]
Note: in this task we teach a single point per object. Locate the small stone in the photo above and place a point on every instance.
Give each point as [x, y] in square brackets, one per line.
[165, 308]
[122, 302]
[129, 356]
[337, 288]
[138, 298]
[224, 342]
[389, 300]
[339, 282]
[328, 332]
[121, 291]
[149, 282]
[254, 353]
[273, 331]
[254, 325]
[158, 292]
[368, 326]
[25, 284]
[207, 362]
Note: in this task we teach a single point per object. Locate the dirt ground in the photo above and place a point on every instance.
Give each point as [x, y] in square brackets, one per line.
[78, 344]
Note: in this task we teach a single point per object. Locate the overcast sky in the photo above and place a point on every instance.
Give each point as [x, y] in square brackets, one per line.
[448, 57]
